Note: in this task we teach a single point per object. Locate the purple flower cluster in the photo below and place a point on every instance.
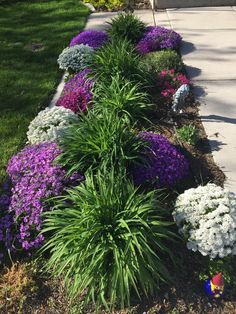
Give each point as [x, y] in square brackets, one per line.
[93, 38]
[76, 94]
[35, 177]
[165, 164]
[158, 38]
[6, 224]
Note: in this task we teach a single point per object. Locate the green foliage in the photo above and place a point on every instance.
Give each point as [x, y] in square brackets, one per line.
[188, 134]
[121, 96]
[117, 57]
[155, 62]
[97, 138]
[226, 266]
[109, 5]
[127, 26]
[29, 74]
[107, 239]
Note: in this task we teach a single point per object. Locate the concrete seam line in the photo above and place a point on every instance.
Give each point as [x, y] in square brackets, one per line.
[213, 80]
[169, 19]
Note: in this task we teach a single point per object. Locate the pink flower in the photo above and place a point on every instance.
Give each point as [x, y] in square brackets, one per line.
[169, 82]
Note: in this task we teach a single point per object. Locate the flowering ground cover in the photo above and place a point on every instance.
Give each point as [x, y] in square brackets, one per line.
[125, 212]
[32, 35]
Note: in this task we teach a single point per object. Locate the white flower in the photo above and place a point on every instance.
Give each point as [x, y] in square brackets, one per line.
[75, 58]
[207, 217]
[50, 124]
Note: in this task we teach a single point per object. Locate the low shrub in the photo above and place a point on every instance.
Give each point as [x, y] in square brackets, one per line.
[158, 38]
[50, 124]
[35, 177]
[169, 82]
[108, 240]
[157, 61]
[164, 166]
[188, 134]
[76, 58]
[93, 38]
[109, 5]
[97, 138]
[17, 285]
[117, 57]
[126, 26]
[206, 217]
[122, 96]
[77, 94]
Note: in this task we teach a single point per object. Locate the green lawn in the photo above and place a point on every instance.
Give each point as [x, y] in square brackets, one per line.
[28, 78]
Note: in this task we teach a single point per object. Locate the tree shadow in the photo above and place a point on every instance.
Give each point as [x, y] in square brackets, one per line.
[192, 71]
[199, 91]
[187, 47]
[215, 145]
[216, 118]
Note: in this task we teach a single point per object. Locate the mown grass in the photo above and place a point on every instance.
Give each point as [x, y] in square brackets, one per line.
[28, 78]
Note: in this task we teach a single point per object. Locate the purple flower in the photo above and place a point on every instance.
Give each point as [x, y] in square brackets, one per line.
[158, 38]
[35, 178]
[6, 224]
[76, 94]
[93, 38]
[165, 165]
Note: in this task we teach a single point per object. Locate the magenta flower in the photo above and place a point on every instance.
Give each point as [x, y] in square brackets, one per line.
[93, 38]
[158, 38]
[164, 166]
[169, 82]
[77, 94]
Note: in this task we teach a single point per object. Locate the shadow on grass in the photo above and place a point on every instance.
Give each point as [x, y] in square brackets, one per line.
[28, 78]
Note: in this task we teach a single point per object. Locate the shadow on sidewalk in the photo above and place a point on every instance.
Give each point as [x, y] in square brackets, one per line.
[215, 118]
[187, 47]
[216, 145]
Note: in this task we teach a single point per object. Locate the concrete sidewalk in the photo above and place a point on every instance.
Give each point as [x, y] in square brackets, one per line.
[209, 52]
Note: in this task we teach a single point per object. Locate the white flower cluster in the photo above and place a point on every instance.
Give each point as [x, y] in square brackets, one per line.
[206, 216]
[50, 124]
[75, 58]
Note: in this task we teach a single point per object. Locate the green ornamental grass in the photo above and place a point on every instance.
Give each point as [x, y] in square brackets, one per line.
[97, 138]
[108, 240]
[123, 96]
[117, 57]
[127, 26]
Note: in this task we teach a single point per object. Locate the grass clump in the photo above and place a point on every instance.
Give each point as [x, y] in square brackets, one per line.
[108, 240]
[122, 96]
[117, 57]
[155, 62]
[127, 26]
[97, 138]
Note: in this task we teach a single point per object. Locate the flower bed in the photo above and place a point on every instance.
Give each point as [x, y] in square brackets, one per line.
[109, 232]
